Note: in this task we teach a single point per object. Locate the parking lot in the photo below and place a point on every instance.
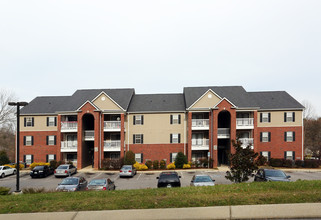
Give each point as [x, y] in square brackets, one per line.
[142, 180]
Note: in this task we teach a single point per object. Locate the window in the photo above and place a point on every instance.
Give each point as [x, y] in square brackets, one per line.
[138, 139]
[266, 154]
[289, 116]
[265, 136]
[28, 159]
[265, 117]
[289, 136]
[50, 157]
[72, 157]
[28, 121]
[28, 140]
[289, 155]
[51, 121]
[138, 119]
[139, 158]
[173, 157]
[175, 119]
[175, 138]
[51, 140]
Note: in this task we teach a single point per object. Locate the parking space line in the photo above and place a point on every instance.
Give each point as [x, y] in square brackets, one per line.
[139, 176]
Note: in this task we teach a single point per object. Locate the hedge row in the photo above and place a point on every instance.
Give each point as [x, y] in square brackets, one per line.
[276, 162]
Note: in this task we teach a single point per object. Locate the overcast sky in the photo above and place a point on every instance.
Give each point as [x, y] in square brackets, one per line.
[53, 48]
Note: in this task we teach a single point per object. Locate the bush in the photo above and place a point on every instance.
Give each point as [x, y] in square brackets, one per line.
[171, 166]
[53, 164]
[21, 166]
[60, 162]
[288, 163]
[149, 164]
[70, 162]
[129, 158]
[276, 162]
[180, 160]
[4, 191]
[261, 160]
[33, 165]
[162, 164]
[33, 190]
[155, 165]
[112, 164]
[140, 166]
[311, 164]
[299, 163]
[4, 159]
[186, 166]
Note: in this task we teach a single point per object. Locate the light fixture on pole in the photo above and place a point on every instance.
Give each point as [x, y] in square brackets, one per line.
[18, 104]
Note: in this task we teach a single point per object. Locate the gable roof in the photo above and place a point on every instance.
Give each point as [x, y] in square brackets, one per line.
[157, 103]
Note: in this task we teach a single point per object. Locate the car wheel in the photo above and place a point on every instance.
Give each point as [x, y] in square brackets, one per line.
[2, 175]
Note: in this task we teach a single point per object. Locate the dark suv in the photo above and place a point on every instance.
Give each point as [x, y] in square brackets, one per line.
[168, 179]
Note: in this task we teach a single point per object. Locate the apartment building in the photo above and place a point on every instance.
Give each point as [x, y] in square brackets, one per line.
[201, 122]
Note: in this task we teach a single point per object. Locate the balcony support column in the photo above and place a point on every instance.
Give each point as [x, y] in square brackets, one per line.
[214, 141]
[59, 138]
[122, 134]
[189, 137]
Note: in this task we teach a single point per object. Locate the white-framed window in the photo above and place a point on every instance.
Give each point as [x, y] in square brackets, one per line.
[173, 157]
[51, 121]
[175, 119]
[51, 140]
[266, 154]
[289, 116]
[175, 138]
[51, 157]
[289, 136]
[28, 140]
[138, 119]
[29, 159]
[28, 121]
[265, 117]
[138, 139]
[289, 155]
[265, 136]
[138, 158]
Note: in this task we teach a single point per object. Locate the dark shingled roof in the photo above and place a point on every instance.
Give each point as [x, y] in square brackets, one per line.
[45, 105]
[275, 100]
[157, 103]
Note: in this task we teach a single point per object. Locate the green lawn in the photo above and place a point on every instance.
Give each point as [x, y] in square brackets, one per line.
[219, 195]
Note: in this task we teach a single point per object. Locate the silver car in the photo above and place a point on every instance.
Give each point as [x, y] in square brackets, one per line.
[5, 171]
[65, 170]
[101, 184]
[202, 180]
[127, 170]
[71, 184]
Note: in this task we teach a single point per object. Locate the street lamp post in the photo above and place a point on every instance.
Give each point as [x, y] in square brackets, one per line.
[18, 104]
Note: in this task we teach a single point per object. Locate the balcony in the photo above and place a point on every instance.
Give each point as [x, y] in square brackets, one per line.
[246, 141]
[68, 146]
[110, 145]
[223, 133]
[200, 144]
[69, 126]
[89, 135]
[200, 124]
[112, 126]
[245, 123]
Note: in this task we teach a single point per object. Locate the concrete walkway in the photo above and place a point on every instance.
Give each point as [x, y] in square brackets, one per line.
[279, 211]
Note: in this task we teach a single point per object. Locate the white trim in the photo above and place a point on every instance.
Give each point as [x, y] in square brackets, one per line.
[227, 101]
[210, 90]
[109, 98]
[90, 104]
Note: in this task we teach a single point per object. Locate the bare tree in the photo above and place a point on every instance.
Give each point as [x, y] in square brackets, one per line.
[7, 117]
[309, 111]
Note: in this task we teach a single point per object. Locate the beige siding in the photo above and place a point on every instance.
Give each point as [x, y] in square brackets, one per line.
[104, 103]
[156, 128]
[40, 124]
[207, 101]
[277, 119]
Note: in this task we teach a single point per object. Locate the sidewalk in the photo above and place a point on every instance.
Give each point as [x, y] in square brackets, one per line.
[301, 210]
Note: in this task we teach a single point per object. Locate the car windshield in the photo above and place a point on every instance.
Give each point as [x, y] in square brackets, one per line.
[126, 168]
[39, 168]
[97, 182]
[274, 173]
[199, 179]
[62, 167]
[69, 181]
[168, 176]
[1, 168]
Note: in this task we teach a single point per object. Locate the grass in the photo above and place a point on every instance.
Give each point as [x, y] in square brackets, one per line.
[219, 195]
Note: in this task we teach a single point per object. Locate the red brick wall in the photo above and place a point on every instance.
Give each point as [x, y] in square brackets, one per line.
[277, 146]
[156, 151]
[39, 149]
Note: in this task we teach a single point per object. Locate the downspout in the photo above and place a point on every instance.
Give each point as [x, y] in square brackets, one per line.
[185, 134]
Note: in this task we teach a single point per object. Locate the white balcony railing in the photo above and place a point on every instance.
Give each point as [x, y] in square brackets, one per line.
[200, 144]
[200, 124]
[112, 125]
[245, 123]
[68, 146]
[223, 133]
[69, 126]
[89, 135]
[111, 145]
[246, 141]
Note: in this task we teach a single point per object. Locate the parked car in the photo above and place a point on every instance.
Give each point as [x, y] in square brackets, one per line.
[101, 184]
[168, 179]
[202, 180]
[127, 170]
[65, 170]
[71, 184]
[6, 171]
[41, 171]
[271, 175]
